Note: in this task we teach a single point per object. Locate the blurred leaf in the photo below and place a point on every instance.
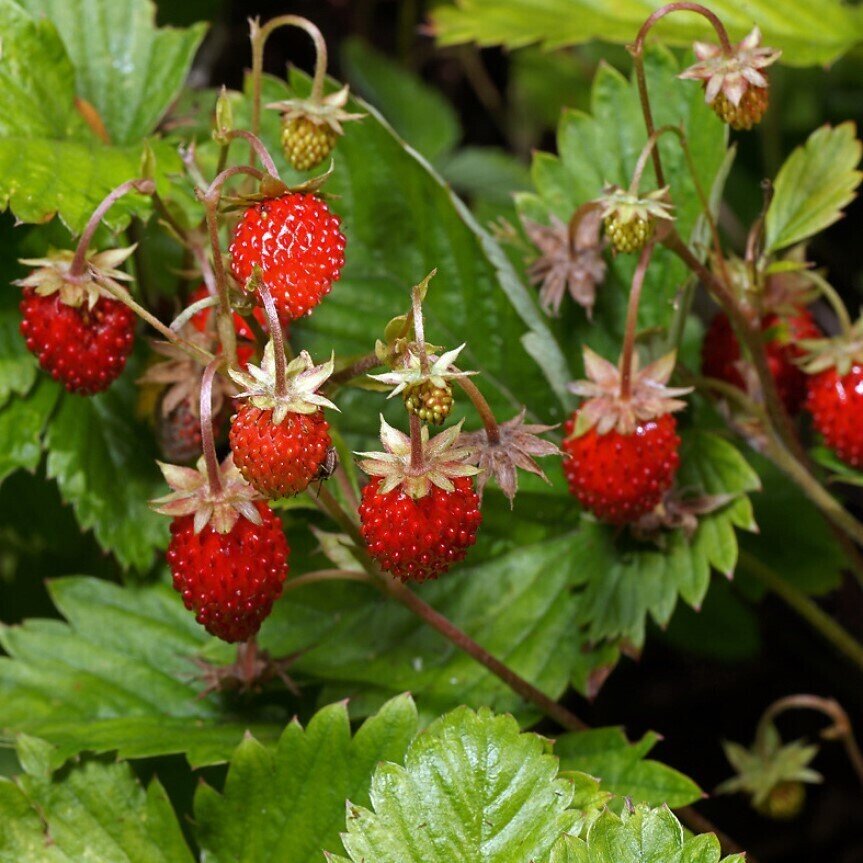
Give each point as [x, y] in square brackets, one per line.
[602, 147]
[842, 472]
[816, 182]
[622, 583]
[117, 676]
[623, 768]
[809, 34]
[640, 836]
[416, 111]
[22, 422]
[286, 805]
[126, 67]
[96, 811]
[487, 173]
[473, 787]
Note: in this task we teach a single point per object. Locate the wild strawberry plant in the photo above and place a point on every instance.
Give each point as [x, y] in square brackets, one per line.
[340, 437]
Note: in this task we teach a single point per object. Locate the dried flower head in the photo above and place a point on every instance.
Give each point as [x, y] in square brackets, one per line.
[445, 456]
[568, 261]
[679, 509]
[605, 409]
[191, 495]
[517, 446]
[52, 275]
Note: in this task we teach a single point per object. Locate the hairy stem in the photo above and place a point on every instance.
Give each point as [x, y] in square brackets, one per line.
[489, 421]
[277, 336]
[637, 47]
[632, 322]
[355, 369]
[419, 328]
[79, 262]
[208, 443]
[417, 456]
[326, 575]
[257, 146]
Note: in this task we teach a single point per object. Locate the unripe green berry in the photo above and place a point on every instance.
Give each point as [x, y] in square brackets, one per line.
[307, 144]
[432, 404]
[753, 104]
[628, 236]
[784, 802]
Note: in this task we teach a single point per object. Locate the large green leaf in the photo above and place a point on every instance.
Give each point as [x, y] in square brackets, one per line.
[641, 835]
[287, 805]
[473, 787]
[602, 147]
[622, 583]
[98, 455]
[401, 220]
[808, 33]
[129, 70]
[816, 182]
[623, 767]
[116, 676]
[417, 112]
[22, 423]
[518, 606]
[95, 812]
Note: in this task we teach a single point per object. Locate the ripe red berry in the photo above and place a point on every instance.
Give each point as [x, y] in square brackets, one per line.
[279, 460]
[419, 538]
[296, 242]
[836, 404]
[84, 348]
[720, 353]
[620, 477]
[230, 580]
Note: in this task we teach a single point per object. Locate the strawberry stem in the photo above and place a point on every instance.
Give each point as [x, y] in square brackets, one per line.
[632, 322]
[277, 336]
[419, 327]
[637, 46]
[417, 457]
[489, 421]
[259, 36]
[257, 146]
[190, 311]
[829, 293]
[208, 443]
[79, 262]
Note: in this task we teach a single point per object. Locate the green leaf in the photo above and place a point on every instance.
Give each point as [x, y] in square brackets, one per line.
[518, 606]
[401, 220]
[97, 455]
[17, 364]
[117, 676]
[472, 788]
[602, 147]
[285, 805]
[417, 112]
[642, 835]
[622, 583]
[22, 422]
[486, 173]
[126, 67]
[808, 34]
[816, 182]
[623, 768]
[95, 811]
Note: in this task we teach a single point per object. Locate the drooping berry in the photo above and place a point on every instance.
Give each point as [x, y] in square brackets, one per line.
[784, 802]
[84, 348]
[721, 356]
[629, 219]
[620, 477]
[622, 447]
[836, 403]
[296, 242]
[306, 144]
[419, 517]
[432, 404]
[279, 437]
[279, 460]
[418, 539]
[735, 82]
[230, 580]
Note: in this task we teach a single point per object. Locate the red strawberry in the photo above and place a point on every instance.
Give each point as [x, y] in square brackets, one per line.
[418, 539]
[620, 477]
[230, 580]
[228, 554]
[279, 436]
[84, 348]
[419, 521]
[279, 460]
[296, 242]
[81, 336]
[721, 356]
[201, 319]
[836, 403]
[622, 447]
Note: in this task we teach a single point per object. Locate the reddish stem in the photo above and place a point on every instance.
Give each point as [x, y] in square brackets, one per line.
[417, 457]
[79, 262]
[632, 322]
[637, 47]
[419, 329]
[277, 336]
[257, 146]
[207, 439]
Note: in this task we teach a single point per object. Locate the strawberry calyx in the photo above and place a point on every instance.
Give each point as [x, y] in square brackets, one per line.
[606, 409]
[410, 371]
[445, 457]
[327, 111]
[296, 391]
[53, 275]
[193, 494]
[840, 352]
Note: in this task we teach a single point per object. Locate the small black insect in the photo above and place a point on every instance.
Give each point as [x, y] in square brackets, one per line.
[328, 466]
